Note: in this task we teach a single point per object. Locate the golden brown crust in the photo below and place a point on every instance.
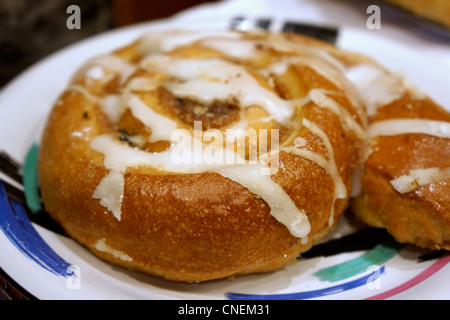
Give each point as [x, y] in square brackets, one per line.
[420, 217]
[196, 226]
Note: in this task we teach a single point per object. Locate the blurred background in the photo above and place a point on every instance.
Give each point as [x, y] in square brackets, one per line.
[32, 29]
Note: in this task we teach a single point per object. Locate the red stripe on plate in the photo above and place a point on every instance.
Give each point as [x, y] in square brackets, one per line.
[435, 267]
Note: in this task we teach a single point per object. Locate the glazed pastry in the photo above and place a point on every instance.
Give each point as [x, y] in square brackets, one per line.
[201, 155]
[405, 183]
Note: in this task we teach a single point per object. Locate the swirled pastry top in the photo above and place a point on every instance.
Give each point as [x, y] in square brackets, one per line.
[189, 102]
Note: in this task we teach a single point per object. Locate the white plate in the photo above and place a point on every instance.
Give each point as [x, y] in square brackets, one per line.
[391, 274]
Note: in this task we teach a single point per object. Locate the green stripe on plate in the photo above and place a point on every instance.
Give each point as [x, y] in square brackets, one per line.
[376, 256]
[30, 180]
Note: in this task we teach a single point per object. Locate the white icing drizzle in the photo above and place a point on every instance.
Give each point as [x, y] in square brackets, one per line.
[216, 79]
[340, 191]
[115, 109]
[349, 123]
[207, 80]
[110, 105]
[140, 84]
[419, 177]
[282, 207]
[233, 45]
[327, 70]
[102, 246]
[83, 91]
[110, 191]
[167, 41]
[394, 127]
[161, 126]
[233, 48]
[118, 157]
[95, 68]
[377, 86]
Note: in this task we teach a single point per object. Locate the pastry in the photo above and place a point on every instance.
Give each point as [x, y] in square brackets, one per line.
[404, 185]
[195, 156]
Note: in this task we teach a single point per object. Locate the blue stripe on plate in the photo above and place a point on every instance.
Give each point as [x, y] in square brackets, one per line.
[18, 229]
[312, 294]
